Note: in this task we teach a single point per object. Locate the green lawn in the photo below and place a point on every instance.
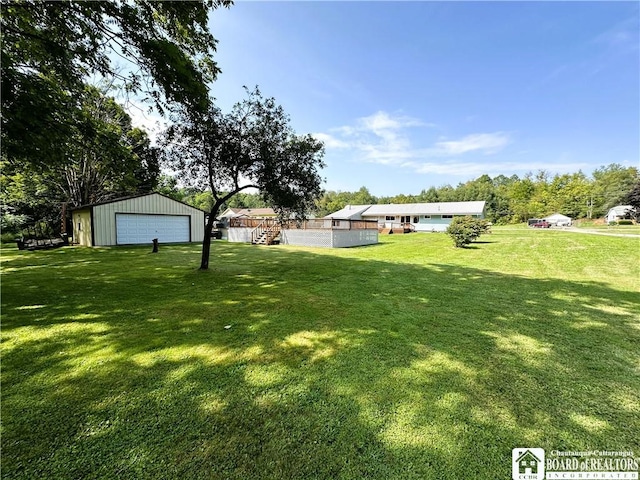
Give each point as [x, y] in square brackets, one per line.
[591, 225]
[405, 360]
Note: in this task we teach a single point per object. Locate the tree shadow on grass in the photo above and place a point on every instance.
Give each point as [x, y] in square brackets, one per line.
[120, 365]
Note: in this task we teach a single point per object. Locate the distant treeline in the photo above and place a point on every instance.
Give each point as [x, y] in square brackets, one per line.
[509, 199]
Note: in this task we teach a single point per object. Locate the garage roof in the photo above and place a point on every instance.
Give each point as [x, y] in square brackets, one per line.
[120, 199]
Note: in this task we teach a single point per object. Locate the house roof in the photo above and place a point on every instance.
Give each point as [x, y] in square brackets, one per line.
[440, 208]
[620, 209]
[248, 212]
[256, 212]
[129, 197]
[557, 216]
[350, 212]
[230, 212]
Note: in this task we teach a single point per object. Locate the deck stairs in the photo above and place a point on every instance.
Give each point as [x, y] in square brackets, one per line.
[266, 233]
[396, 228]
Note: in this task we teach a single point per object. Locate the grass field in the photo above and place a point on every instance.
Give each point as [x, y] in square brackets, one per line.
[601, 225]
[405, 360]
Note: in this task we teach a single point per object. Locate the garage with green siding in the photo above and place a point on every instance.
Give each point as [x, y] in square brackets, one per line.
[137, 220]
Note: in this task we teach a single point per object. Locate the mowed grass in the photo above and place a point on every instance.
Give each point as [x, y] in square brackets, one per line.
[405, 360]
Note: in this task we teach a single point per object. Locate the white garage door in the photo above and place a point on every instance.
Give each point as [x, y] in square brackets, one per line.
[138, 228]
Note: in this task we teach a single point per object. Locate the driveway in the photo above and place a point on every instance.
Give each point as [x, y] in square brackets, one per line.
[594, 231]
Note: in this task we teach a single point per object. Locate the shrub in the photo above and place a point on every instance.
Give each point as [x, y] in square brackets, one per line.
[625, 222]
[464, 230]
[9, 237]
[11, 223]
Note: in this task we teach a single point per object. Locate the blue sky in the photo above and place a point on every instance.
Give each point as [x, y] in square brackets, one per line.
[408, 95]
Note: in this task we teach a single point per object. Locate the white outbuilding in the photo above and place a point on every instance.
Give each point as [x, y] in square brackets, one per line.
[137, 220]
[559, 220]
[619, 212]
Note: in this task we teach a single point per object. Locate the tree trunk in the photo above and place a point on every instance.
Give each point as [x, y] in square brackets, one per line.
[206, 242]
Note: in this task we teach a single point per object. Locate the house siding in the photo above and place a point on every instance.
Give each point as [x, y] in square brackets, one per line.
[618, 212]
[434, 224]
[82, 227]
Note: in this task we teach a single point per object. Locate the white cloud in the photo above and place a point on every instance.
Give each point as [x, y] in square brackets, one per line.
[487, 143]
[330, 141]
[381, 123]
[379, 138]
[385, 139]
[623, 36]
[471, 169]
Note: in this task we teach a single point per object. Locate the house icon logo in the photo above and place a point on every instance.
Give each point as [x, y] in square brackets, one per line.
[527, 463]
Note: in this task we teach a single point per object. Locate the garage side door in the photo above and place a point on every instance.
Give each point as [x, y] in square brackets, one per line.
[137, 228]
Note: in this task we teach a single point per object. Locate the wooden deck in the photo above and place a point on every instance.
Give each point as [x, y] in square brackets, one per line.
[400, 228]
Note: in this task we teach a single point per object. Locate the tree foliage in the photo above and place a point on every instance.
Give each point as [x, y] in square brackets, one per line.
[464, 230]
[514, 199]
[66, 142]
[105, 157]
[333, 201]
[633, 199]
[252, 146]
[50, 48]
[613, 184]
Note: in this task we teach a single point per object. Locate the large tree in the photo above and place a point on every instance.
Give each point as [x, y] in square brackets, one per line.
[251, 147]
[633, 199]
[49, 50]
[612, 183]
[105, 157]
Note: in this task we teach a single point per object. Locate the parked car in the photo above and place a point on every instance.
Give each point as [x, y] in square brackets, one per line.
[217, 230]
[542, 224]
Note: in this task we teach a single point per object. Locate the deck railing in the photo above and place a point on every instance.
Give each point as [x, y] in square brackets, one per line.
[398, 226]
[250, 222]
[312, 224]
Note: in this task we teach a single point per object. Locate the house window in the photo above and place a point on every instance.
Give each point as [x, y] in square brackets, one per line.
[335, 223]
[405, 219]
[426, 217]
[389, 218]
[415, 219]
[447, 216]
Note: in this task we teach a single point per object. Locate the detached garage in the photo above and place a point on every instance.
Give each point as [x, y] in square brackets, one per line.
[136, 220]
